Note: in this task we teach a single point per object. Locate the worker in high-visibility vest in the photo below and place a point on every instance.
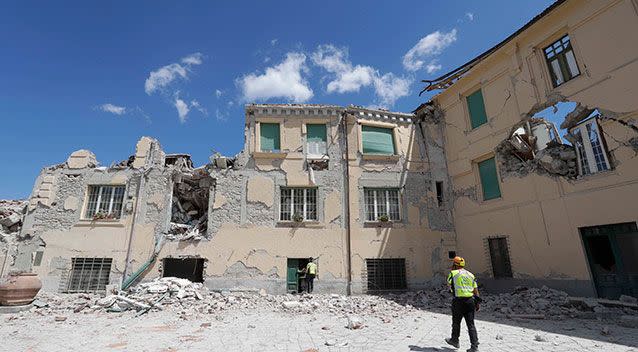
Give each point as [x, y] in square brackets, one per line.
[311, 273]
[466, 301]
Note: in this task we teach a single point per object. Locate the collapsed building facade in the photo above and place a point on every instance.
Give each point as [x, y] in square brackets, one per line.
[354, 188]
[538, 202]
[382, 199]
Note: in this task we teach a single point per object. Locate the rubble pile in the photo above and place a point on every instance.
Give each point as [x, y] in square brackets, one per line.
[556, 159]
[11, 215]
[190, 300]
[189, 213]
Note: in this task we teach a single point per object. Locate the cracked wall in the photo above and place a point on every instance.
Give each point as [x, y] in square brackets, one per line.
[543, 201]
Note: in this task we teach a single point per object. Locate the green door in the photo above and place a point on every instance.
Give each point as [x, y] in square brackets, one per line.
[292, 278]
[612, 253]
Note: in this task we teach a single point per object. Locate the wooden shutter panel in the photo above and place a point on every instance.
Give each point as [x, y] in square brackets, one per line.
[269, 137]
[377, 140]
[476, 106]
[489, 179]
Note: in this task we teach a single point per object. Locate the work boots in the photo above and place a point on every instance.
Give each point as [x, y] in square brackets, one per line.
[451, 342]
[472, 349]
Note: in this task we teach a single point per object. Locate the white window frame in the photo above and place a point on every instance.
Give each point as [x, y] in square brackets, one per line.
[323, 149]
[586, 150]
[307, 197]
[375, 205]
[90, 213]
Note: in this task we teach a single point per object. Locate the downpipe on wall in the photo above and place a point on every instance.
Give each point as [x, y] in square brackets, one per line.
[346, 196]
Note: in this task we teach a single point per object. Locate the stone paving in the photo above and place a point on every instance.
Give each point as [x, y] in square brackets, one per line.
[281, 331]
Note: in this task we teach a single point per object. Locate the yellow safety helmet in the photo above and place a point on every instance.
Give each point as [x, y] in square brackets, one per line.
[459, 261]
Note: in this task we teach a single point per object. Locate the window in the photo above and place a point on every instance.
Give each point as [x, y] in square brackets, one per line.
[476, 107]
[316, 140]
[591, 153]
[105, 202]
[500, 257]
[489, 179]
[561, 61]
[269, 137]
[88, 274]
[381, 202]
[377, 140]
[298, 204]
[439, 192]
[386, 274]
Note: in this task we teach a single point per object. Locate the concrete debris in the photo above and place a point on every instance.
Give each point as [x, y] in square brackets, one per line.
[628, 299]
[189, 212]
[355, 323]
[11, 216]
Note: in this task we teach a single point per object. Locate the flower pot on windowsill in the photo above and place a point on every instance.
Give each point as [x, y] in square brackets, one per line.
[297, 218]
[19, 289]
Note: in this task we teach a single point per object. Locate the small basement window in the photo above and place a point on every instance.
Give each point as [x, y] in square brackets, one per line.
[104, 202]
[316, 140]
[88, 275]
[476, 108]
[500, 257]
[561, 61]
[386, 274]
[269, 137]
[184, 268]
[489, 179]
[377, 140]
[591, 152]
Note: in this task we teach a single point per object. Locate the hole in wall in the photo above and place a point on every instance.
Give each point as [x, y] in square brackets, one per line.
[184, 268]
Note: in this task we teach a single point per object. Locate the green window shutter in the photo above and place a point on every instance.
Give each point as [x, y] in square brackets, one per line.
[489, 179]
[377, 140]
[269, 137]
[476, 106]
[316, 133]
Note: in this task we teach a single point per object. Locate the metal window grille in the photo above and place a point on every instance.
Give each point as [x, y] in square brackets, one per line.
[301, 201]
[387, 274]
[500, 257]
[105, 200]
[88, 275]
[561, 60]
[380, 201]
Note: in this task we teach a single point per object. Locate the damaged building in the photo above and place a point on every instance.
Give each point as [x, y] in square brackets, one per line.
[362, 191]
[524, 163]
[540, 142]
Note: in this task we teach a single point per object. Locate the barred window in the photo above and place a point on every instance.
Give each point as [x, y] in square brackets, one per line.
[298, 203]
[382, 202]
[104, 202]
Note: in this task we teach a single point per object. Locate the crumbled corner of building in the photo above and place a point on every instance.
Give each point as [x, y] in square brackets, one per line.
[11, 212]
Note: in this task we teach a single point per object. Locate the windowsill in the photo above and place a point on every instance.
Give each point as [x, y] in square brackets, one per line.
[479, 127]
[564, 84]
[305, 224]
[594, 176]
[100, 223]
[317, 158]
[381, 157]
[384, 224]
[270, 155]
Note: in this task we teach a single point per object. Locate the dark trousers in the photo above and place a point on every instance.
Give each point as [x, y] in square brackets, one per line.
[310, 278]
[464, 308]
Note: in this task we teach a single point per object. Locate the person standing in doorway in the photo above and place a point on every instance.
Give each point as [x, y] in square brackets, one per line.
[465, 302]
[311, 273]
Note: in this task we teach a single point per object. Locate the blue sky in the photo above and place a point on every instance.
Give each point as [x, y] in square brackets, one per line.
[98, 75]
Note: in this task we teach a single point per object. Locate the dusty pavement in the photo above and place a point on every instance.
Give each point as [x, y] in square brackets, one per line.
[189, 318]
[280, 331]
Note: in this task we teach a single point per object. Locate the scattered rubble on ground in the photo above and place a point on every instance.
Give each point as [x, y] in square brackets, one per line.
[190, 300]
[11, 216]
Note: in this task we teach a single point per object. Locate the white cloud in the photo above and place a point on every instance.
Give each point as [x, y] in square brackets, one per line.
[349, 78]
[273, 42]
[165, 75]
[433, 66]
[281, 81]
[182, 109]
[470, 16]
[197, 106]
[389, 88]
[218, 93]
[430, 45]
[113, 109]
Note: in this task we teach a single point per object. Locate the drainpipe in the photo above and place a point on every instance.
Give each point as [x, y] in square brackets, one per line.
[346, 196]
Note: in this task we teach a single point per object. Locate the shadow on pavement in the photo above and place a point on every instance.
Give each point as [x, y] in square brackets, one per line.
[429, 349]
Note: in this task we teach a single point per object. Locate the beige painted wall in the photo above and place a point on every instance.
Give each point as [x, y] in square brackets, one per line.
[541, 215]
